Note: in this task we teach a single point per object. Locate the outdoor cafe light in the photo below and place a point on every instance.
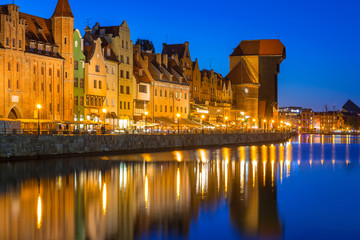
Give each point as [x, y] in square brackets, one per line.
[38, 107]
[202, 116]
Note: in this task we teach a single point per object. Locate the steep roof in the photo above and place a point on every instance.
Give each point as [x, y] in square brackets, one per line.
[140, 77]
[107, 47]
[351, 107]
[171, 49]
[241, 74]
[38, 29]
[261, 47]
[62, 9]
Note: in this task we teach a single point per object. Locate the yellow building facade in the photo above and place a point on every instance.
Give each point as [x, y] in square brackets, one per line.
[95, 78]
[122, 46]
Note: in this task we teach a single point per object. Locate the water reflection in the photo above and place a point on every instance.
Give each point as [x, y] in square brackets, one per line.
[147, 197]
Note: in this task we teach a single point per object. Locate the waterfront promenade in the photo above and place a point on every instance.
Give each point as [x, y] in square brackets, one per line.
[32, 146]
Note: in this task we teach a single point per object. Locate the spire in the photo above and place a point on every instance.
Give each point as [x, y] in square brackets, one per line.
[62, 9]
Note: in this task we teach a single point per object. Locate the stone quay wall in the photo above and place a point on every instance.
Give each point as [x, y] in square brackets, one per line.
[17, 146]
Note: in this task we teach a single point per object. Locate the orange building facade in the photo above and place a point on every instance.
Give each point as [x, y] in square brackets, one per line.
[36, 63]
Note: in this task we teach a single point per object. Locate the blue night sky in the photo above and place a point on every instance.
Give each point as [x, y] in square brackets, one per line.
[321, 37]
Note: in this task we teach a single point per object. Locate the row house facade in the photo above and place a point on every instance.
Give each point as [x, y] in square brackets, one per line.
[169, 93]
[36, 63]
[210, 95]
[95, 77]
[120, 40]
[79, 77]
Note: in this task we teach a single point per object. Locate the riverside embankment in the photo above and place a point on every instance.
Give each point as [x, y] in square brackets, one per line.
[28, 146]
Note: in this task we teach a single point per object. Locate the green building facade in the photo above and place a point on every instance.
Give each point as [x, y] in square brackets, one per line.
[79, 74]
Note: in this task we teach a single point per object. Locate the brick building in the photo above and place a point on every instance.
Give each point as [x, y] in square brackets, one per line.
[36, 63]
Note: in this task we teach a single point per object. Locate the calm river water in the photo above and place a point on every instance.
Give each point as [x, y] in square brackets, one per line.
[307, 188]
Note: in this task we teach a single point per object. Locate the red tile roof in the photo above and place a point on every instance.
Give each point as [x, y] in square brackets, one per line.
[38, 29]
[63, 9]
[140, 78]
[260, 47]
[171, 49]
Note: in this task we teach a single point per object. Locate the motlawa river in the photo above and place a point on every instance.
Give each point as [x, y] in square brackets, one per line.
[306, 188]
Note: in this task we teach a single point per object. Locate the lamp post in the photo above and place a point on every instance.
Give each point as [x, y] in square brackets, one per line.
[202, 123]
[38, 107]
[264, 125]
[146, 113]
[104, 111]
[178, 119]
[226, 118]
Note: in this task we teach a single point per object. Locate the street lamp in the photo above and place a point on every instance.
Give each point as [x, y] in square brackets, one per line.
[146, 113]
[104, 111]
[202, 123]
[38, 107]
[264, 125]
[226, 118]
[178, 119]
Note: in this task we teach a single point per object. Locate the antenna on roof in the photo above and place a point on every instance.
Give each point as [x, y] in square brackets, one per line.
[87, 21]
[210, 61]
[334, 108]
[166, 38]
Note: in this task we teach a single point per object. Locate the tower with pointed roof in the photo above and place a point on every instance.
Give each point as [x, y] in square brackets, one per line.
[63, 30]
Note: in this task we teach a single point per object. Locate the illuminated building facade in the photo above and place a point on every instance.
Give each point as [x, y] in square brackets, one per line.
[307, 120]
[79, 76]
[122, 46]
[95, 77]
[36, 63]
[291, 115]
[254, 66]
[169, 89]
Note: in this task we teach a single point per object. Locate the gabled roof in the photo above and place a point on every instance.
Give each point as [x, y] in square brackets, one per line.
[106, 45]
[171, 49]
[351, 107]
[241, 74]
[260, 47]
[63, 9]
[140, 77]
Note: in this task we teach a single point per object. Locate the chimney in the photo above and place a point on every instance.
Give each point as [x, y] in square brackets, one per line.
[165, 60]
[175, 57]
[158, 58]
[146, 61]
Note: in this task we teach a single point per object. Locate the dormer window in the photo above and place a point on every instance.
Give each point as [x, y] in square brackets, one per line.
[108, 52]
[140, 72]
[40, 30]
[40, 47]
[32, 46]
[47, 49]
[55, 50]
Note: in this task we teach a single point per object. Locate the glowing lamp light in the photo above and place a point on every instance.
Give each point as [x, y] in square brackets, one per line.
[202, 116]
[226, 118]
[104, 110]
[178, 115]
[38, 106]
[146, 113]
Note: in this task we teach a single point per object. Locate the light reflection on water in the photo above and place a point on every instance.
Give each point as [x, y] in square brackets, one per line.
[237, 192]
